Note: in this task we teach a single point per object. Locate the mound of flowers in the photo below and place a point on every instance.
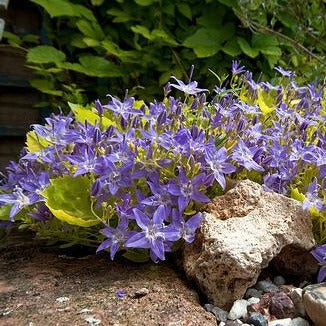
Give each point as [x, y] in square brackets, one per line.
[133, 177]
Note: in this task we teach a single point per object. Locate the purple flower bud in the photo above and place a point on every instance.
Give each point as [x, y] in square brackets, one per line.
[99, 107]
[96, 188]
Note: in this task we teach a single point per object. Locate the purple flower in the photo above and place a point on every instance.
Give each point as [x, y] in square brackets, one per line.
[320, 255]
[19, 200]
[153, 233]
[186, 229]
[312, 199]
[84, 159]
[216, 160]
[283, 72]
[116, 237]
[125, 108]
[187, 190]
[236, 68]
[121, 294]
[245, 156]
[190, 89]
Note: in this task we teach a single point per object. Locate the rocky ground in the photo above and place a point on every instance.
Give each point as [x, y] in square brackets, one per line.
[46, 288]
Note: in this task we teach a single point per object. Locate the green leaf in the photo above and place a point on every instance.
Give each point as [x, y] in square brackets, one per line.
[142, 30]
[45, 86]
[99, 67]
[35, 143]
[12, 39]
[185, 9]
[68, 199]
[246, 48]
[266, 101]
[83, 114]
[144, 2]
[205, 42]
[262, 41]
[272, 51]
[162, 35]
[45, 54]
[97, 2]
[57, 8]
[232, 48]
[120, 16]
[4, 212]
[90, 29]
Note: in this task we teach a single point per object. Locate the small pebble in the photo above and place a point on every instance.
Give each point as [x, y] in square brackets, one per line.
[63, 309]
[279, 280]
[299, 322]
[266, 286]
[220, 314]
[140, 293]
[92, 320]
[62, 299]
[251, 292]
[257, 319]
[238, 310]
[84, 311]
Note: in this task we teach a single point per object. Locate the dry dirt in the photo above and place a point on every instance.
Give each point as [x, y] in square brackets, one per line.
[41, 288]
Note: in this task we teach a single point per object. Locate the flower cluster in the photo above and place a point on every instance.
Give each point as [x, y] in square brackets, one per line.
[127, 175]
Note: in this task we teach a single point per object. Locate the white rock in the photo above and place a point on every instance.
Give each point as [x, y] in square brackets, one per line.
[246, 229]
[238, 310]
[299, 322]
[280, 322]
[253, 300]
[314, 300]
[296, 297]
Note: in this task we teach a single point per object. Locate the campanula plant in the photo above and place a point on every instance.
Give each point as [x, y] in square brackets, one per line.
[130, 177]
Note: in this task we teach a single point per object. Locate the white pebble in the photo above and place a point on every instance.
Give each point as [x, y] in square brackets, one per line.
[62, 299]
[239, 310]
[92, 320]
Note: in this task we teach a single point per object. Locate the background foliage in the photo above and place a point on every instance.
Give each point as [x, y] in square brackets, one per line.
[98, 47]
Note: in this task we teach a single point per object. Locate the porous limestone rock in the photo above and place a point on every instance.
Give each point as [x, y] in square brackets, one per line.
[241, 233]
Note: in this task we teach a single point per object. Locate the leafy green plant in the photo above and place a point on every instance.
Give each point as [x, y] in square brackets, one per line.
[96, 47]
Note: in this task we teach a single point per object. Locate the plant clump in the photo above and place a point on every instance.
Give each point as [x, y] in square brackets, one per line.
[134, 177]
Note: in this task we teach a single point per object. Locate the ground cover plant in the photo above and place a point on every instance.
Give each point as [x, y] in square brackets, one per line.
[88, 48]
[133, 177]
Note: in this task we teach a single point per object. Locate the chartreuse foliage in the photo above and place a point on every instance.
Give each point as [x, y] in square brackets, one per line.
[68, 199]
[133, 176]
[100, 46]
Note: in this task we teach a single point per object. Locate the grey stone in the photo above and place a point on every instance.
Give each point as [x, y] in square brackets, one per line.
[252, 292]
[243, 231]
[299, 322]
[279, 280]
[314, 300]
[239, 310]
[257, 319]
[220, 314]
[266, 286]
[296, 297]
